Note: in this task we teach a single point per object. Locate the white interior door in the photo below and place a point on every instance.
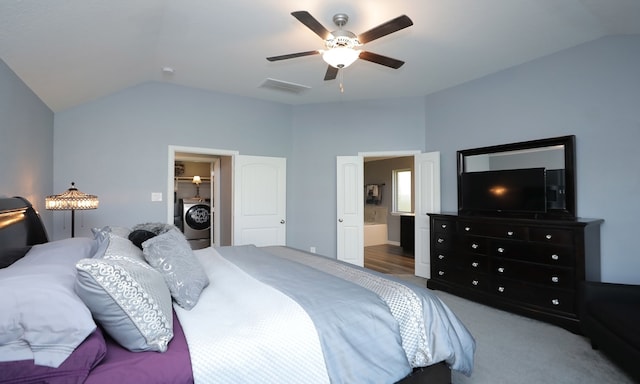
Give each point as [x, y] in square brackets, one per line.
[427, 200]
[259, 200]
[350, 209]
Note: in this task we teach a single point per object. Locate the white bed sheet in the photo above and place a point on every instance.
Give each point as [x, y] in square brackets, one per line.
[244, 331]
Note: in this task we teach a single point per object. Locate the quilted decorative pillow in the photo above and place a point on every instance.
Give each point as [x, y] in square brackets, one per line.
[41, 317]
[171, 255]
[129, 299]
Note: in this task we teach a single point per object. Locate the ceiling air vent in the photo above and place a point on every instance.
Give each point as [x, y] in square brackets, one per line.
[280, 85]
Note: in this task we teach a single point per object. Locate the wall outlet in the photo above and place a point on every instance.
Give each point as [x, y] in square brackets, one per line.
[312, 249]
[156, 196]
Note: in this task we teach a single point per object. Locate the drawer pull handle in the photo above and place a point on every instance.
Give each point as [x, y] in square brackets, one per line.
[440, 240]
[474, 246]
[548, 237]
[474, 264]
[500, 289]
[441, 273]
[555, 279]
[500, 250]
[444, 226]
[475, 282]
[509, 233]
[555, 257]
[501, 269]
[441, 257]
[555, 302]
[467, 229]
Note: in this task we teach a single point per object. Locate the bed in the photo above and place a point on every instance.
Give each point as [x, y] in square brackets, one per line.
[134, 305]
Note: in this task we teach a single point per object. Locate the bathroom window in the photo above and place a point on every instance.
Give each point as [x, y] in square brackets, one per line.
[402, 190]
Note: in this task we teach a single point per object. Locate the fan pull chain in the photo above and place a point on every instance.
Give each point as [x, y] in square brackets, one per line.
[341, 81]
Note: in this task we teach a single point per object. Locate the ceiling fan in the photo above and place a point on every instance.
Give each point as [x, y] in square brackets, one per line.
[342, 45]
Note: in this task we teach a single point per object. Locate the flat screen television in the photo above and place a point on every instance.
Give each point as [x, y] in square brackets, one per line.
[517, 191]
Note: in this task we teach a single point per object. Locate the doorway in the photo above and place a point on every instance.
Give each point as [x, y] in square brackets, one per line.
[388, 222]
[214, 191]
[350, 205]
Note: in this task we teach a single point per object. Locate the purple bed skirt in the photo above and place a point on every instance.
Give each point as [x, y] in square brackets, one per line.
[123, 367]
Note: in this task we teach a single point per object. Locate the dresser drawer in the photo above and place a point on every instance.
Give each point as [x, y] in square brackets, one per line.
[555, 299]
[533, 273]
[444, 226]
[537, 253]
[460, 277]
[551, 235]
[504, 231]
[443, 240]
[514, 232]
[473, 244]
[470, 262]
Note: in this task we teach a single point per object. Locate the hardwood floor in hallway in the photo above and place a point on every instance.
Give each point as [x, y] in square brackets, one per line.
[388, 258]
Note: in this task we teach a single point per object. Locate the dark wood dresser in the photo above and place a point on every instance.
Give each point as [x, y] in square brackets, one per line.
[530, 267]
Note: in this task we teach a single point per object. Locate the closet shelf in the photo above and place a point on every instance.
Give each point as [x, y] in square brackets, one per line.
[189, 179]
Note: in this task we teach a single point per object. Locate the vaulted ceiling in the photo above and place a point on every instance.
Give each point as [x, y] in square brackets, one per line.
[73, 51]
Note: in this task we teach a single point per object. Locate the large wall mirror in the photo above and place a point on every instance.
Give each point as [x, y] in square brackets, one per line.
[544, 169]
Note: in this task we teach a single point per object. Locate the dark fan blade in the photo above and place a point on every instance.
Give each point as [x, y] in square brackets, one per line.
[305, 18]
[390, 26]
[382, 60]
[292, 55]
[332, 73]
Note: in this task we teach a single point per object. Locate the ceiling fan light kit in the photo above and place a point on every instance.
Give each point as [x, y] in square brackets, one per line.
[342, 45]
[340, 57]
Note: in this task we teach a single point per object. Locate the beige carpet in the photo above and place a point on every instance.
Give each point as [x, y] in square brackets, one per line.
[512, 349]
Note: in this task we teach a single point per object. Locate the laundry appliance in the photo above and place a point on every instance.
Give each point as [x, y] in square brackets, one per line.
[196, 221]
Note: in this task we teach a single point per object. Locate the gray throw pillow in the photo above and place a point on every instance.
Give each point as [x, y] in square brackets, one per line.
[171, 255]
[122, 247]
[129, 299]
[104, 235]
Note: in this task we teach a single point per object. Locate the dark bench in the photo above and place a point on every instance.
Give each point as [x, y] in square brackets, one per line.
[610, 318]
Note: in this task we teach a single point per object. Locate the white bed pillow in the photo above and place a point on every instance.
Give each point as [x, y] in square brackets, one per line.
[129, 299]
[41, 317]
[171, 255]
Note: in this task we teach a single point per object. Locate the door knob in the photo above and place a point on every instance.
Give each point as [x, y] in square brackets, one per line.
[340, 220]
[282, 221]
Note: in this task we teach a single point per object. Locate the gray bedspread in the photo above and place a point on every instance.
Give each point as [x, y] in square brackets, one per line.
[367, 335]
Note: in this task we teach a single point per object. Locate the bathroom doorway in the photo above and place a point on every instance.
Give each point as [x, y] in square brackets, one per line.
[350, 205]
[388, 225]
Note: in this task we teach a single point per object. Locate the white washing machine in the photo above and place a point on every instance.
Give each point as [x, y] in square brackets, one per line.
[196, 216]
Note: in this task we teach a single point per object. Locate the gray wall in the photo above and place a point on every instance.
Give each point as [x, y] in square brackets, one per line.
[26, 152]
[591, 91]
[322, 132]
[117, 147]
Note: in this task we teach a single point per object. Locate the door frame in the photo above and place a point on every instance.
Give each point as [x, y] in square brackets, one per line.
[402, 153]
[172, 150]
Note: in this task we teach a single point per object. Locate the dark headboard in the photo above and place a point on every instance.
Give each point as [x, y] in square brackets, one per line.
[20, 228]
